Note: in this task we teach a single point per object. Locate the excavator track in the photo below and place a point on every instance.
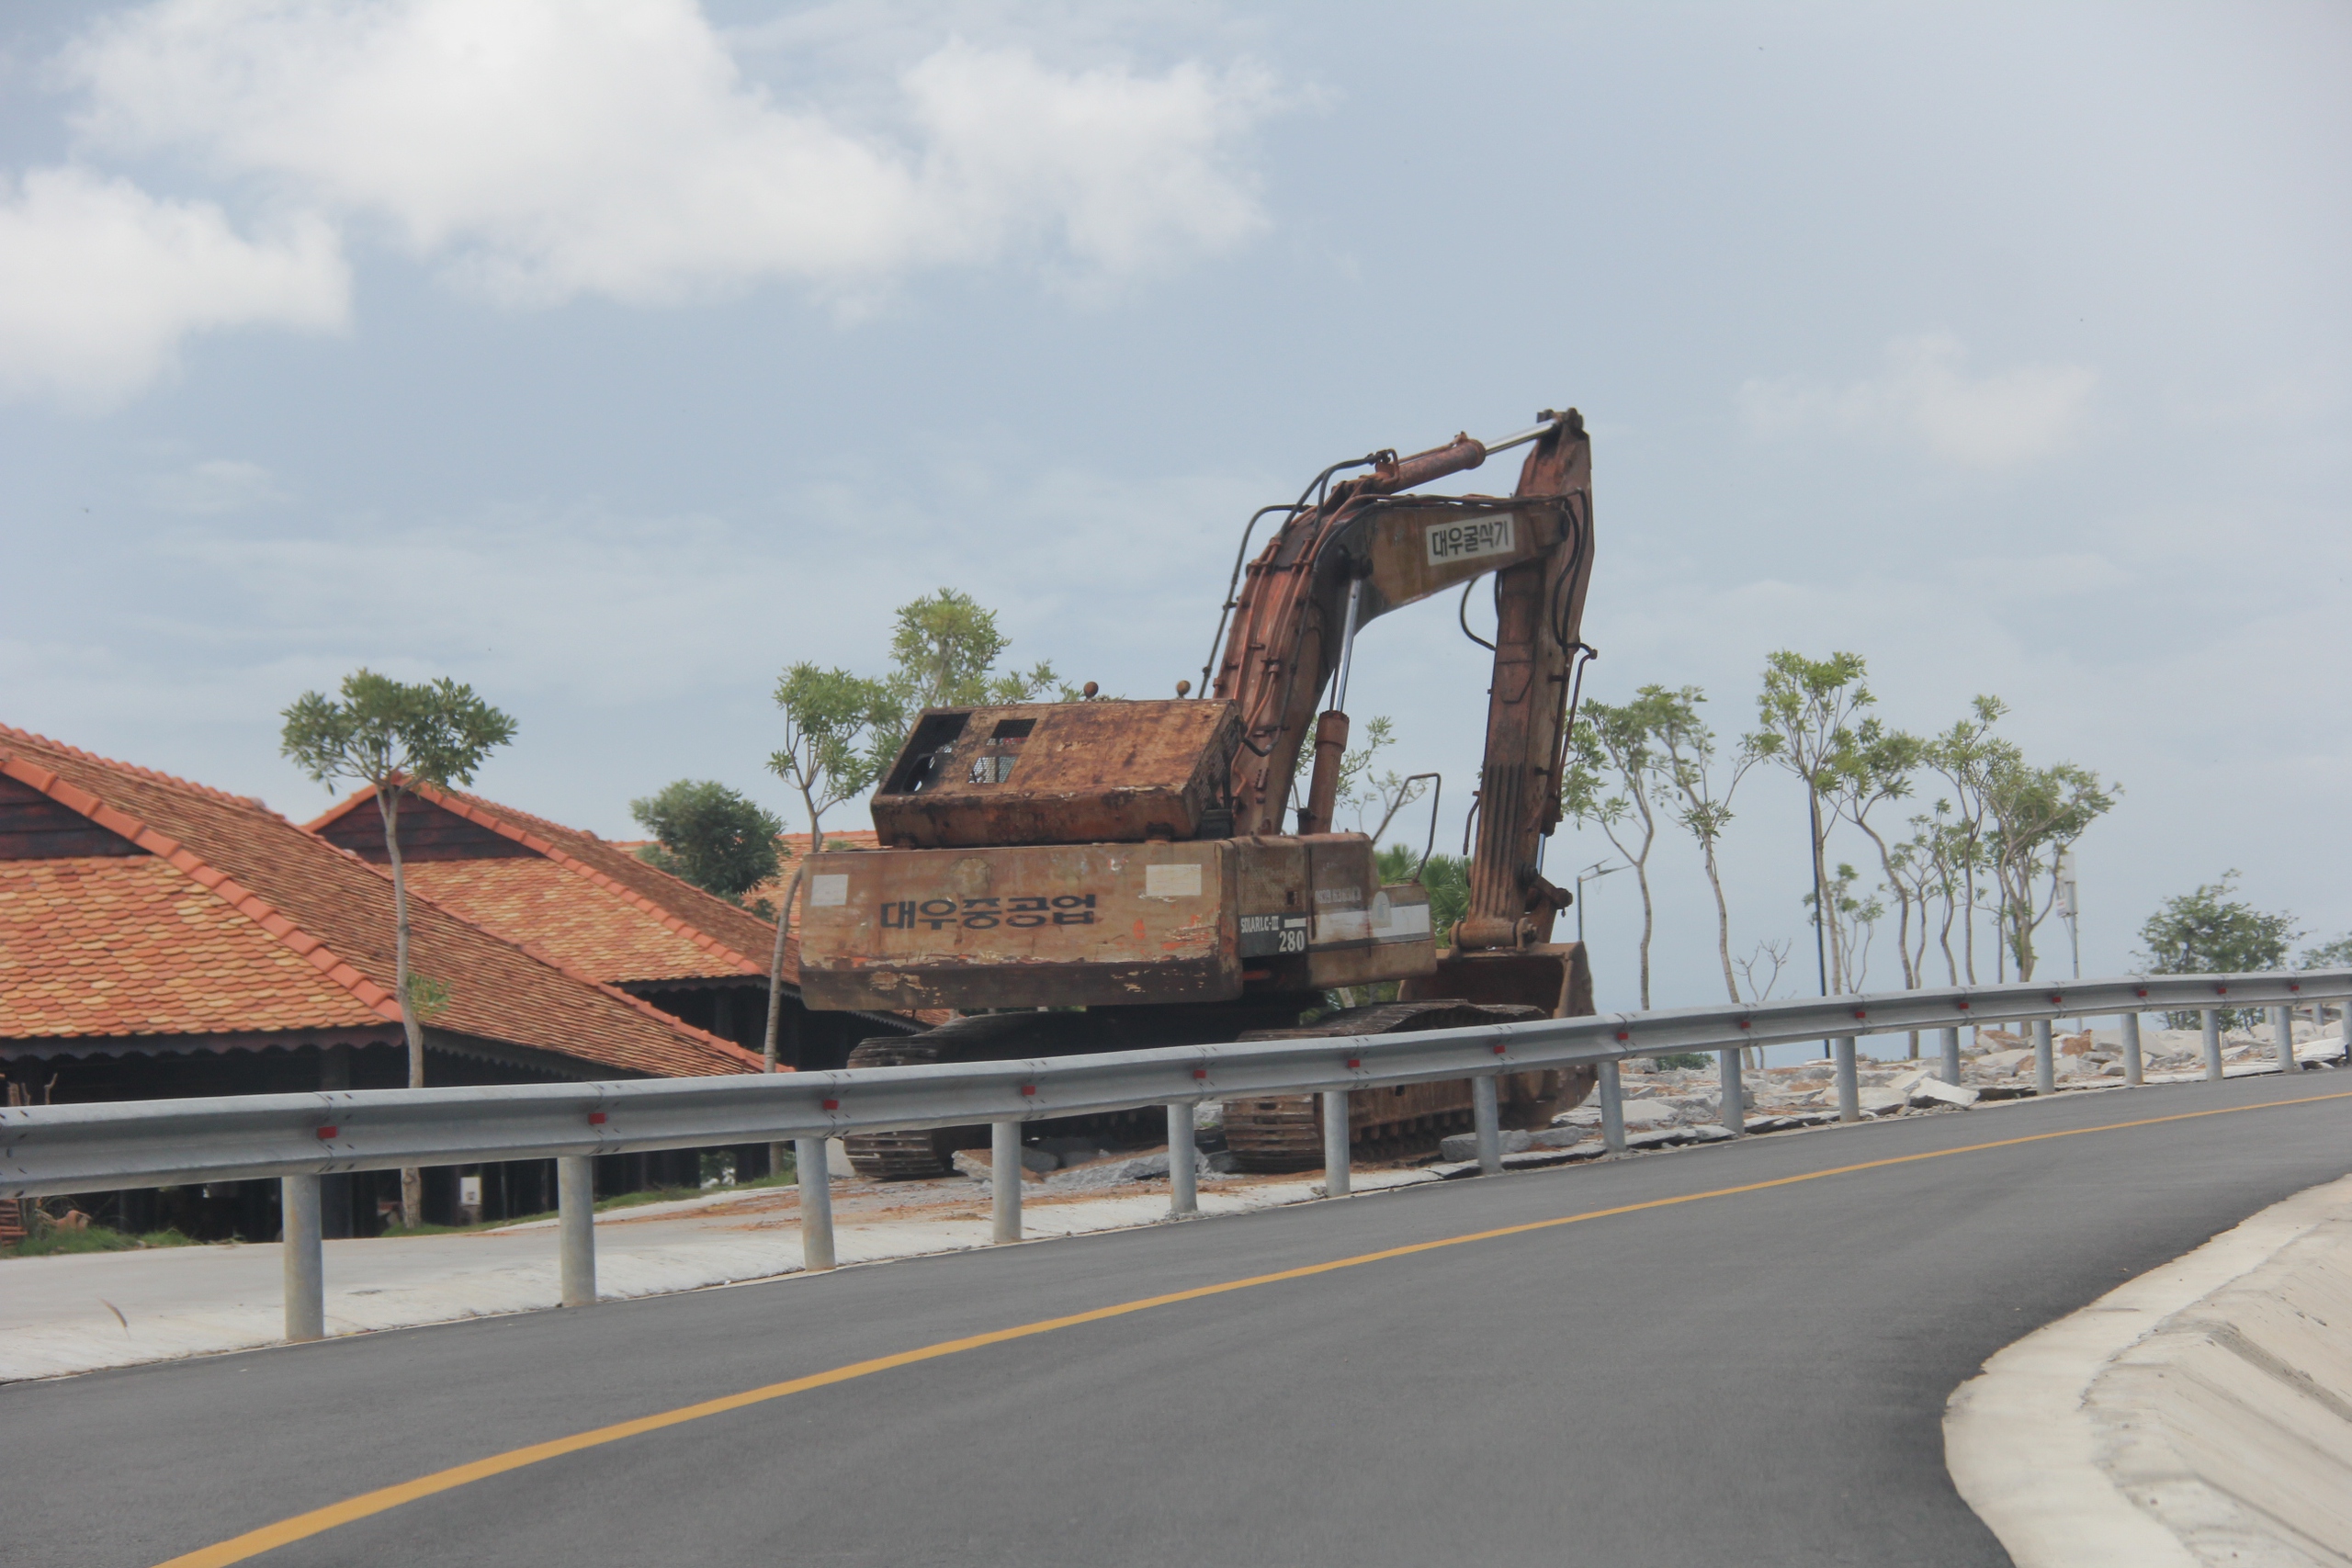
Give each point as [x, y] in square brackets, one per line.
[929, 1153]
[1284, 1133]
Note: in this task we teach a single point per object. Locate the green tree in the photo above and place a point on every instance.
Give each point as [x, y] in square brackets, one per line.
[2036, 813]
[1878, 769]
[2337, 955]
[1969, 755]
[388, 735]
[1807, 713]
[1616, 767]
[707, 834]
[1853, 923]
[1696, 799]
[2209, 932]
[942, 651]
[840, 731]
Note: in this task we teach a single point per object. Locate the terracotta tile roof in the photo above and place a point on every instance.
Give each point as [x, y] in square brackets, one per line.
[551, 907]
[639, 923]
[333, 911]
[105, 945]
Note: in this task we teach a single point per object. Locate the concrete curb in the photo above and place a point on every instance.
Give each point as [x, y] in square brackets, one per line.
[2044, 1443]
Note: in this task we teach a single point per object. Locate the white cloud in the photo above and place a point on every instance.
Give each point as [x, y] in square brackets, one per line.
[1926, 395]
[549, 149]
[216, 485]
[100, 282]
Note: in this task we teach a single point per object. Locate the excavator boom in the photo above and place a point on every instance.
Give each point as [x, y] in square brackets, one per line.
[1363, 549]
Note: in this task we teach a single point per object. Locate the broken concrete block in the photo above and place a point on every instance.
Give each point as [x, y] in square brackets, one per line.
[1935, 1091]
[1465, 1145]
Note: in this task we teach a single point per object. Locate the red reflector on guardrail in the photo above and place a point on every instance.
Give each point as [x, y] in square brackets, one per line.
[1499, 1049]
[326, 1131]
[832, 1104]
[1355, 1062]
[595, 1118]
[1200, 1072]
[1622, 1037]
[1028, 1089]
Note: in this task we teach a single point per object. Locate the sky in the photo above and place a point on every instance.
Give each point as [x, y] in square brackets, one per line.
[611, 356]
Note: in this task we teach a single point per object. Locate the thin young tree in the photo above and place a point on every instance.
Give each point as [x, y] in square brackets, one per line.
[1807, 710]
[1879, 769]
[388, 735]
[1852, 926]
[840, 731]
[1615, 770]
[1697, 799]
[1967, 755]
[2036, 813]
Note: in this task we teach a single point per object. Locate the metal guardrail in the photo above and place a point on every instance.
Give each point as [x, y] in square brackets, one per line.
[300, 1137]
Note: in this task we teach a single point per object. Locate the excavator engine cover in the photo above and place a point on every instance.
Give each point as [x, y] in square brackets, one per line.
[1092, 773]
[1105, 925]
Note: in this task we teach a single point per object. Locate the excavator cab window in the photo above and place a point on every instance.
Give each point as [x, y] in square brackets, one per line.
[925, 760]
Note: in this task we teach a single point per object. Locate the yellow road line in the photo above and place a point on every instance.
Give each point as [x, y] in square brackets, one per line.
[301, 1527]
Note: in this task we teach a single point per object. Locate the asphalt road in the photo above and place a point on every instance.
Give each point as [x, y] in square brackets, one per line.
[1755, 1377]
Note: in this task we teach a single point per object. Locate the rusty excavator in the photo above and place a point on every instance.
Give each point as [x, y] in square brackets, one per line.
[1109, 875]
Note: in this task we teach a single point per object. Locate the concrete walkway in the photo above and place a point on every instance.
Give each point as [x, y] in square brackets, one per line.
[2199, 1416]
[81, 1312]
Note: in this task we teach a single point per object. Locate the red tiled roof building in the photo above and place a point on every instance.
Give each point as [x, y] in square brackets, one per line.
[159, 937]
[596, 907]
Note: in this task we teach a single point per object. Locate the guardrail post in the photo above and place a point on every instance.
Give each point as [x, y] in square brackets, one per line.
[1950, 1039]
[1734, 1110]
[2045, 1065]
[575, 1228]
[1183, 1185]
[1486, 1118]
[306, 1284]
[2131, 1076]
[1850, 1084]
[1612, 1109]
[1004, 1178]
[2284, 1019]
[1337, 1152]
[2212, 1016]
[816, 1181]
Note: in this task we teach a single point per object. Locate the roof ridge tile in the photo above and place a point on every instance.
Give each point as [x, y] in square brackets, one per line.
[474, 809]
[243, 902]
[7, 730]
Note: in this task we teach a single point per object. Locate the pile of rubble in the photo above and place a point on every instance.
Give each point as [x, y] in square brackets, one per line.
[1666, 1107]
[1089, 1163]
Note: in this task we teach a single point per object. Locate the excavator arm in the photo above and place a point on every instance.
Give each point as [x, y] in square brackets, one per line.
[1361, 549]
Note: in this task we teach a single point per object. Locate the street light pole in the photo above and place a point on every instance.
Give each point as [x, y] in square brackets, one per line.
[1820, 914]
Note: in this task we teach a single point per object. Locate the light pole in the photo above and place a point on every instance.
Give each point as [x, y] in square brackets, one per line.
[1592, 872]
